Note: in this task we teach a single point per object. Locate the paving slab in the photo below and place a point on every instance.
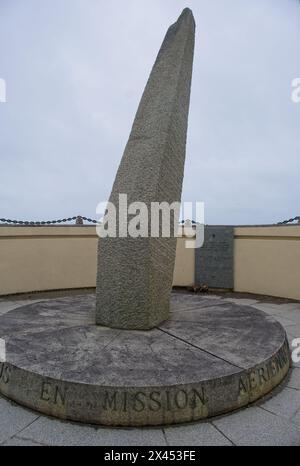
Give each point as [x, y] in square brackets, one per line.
[6, 306]
[294, 379]
[274, 307]
[201, 434]
[210, 296]
[296, 418]
[13, 419]
[53, 432]
[241, 301]
[293, 330]
[284, 320]
[20, 442]
[285, 403]
[257, 427]
[294, 316]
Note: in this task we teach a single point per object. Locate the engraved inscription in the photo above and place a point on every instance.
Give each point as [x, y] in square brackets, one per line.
[154, 401]
[123, 401]
[53, 393]
[262, 375]
[214, 260]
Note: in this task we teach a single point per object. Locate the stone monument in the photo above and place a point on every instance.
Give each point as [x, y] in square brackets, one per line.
[142, 365]
[135, 274]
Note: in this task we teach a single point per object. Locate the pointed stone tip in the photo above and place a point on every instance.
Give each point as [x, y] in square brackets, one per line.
[187, 13]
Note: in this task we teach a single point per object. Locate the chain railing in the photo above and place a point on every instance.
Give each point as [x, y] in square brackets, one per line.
[290, 220]
[79, 219]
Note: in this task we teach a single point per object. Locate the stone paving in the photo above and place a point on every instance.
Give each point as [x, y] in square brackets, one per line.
[274, 420]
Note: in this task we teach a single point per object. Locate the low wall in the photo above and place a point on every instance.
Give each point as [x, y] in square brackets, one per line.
[266, 259]
[45, 258]
[60, 257]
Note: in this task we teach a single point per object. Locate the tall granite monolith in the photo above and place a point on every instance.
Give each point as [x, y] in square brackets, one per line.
[135, 274]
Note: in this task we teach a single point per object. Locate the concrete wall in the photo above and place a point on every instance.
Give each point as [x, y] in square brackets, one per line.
[45, 258]
[50, 258]
[266, 259]
[184, 273]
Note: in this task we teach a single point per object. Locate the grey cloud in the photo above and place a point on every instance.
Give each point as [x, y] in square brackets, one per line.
[75, 71]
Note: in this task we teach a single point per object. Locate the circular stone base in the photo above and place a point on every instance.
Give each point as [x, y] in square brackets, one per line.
[211, 357]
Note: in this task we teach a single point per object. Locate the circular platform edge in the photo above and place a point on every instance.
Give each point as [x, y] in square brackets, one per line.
[141, 406]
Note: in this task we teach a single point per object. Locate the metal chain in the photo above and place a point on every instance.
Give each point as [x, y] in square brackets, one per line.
[290, 220]
[91, 220]
[63, 220]
[48, 222]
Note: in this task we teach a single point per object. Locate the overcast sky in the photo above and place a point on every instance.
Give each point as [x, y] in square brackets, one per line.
[75, 71]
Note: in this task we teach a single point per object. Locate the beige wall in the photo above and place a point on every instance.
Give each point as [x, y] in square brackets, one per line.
[49, 258]
[267, 260]
[45, 258]
[184, 272]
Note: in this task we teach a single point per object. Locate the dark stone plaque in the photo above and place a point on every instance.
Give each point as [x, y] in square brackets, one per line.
[214, 260]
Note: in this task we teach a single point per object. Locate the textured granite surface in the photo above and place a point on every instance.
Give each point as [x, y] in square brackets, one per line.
[210, 357]
[135, 275]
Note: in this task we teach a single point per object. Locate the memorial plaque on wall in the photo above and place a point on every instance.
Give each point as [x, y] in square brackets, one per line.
[214, 260]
